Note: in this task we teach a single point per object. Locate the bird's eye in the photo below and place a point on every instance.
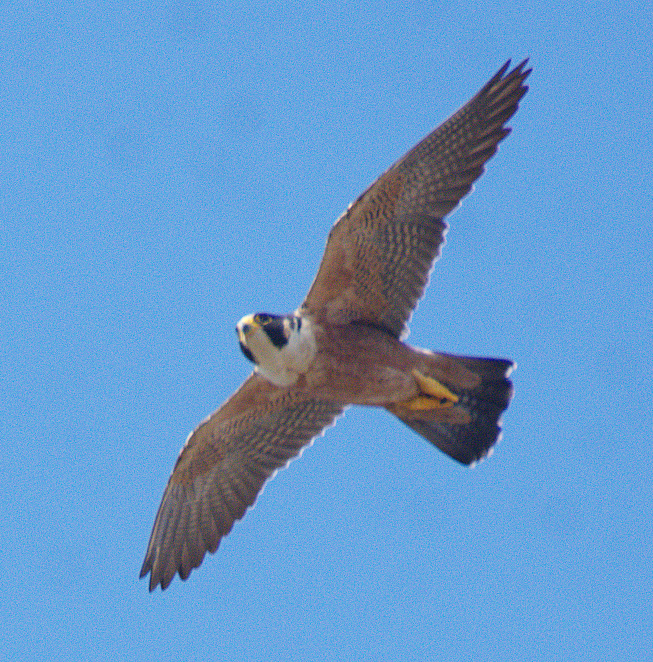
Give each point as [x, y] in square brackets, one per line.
[262, 318]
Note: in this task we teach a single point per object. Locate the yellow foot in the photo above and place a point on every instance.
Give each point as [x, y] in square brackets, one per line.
[433, 394]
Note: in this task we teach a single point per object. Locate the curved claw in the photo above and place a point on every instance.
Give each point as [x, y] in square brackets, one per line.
[434, 395]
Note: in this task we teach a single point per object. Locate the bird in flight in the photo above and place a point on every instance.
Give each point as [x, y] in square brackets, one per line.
[345, 344]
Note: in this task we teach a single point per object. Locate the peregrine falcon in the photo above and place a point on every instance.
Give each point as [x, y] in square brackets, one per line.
[345, 344]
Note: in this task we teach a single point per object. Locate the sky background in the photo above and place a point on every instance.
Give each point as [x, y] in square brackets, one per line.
[166, 168]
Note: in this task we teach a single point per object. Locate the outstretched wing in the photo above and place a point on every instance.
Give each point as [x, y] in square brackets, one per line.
[380, 252]
[223, 466]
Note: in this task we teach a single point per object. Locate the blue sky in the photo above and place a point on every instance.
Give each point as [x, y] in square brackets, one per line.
[166, 168]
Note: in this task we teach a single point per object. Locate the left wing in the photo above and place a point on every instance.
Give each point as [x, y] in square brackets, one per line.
[380, 252]
[222, 468]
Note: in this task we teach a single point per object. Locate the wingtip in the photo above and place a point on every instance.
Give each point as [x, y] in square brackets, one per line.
[518, 70]
[155, 582]
[155, 579]
[145, 570]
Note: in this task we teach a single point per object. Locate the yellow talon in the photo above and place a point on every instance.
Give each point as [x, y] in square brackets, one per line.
[425, 402]
[434, 394]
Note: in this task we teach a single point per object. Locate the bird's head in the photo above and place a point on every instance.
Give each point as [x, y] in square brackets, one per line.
[279, 345]
[262, 334]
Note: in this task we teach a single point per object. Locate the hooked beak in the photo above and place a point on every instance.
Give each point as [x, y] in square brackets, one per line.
[243, 329]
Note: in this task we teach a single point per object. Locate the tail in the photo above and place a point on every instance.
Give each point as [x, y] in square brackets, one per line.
[467, 427]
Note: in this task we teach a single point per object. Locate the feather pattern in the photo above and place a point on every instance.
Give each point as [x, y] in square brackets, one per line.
[222, 468]
[380, 252]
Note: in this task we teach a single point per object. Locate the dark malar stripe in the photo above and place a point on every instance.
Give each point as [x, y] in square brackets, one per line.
[276, 332]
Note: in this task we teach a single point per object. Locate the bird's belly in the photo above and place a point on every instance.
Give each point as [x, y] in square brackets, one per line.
[361, 365]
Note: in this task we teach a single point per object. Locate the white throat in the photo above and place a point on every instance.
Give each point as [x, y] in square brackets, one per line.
[283, 366]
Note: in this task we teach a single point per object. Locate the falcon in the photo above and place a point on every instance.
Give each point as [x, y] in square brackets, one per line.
[345, 344]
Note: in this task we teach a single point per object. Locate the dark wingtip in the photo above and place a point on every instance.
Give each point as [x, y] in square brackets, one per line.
[147, 569]
[519, 72]
[143, 573]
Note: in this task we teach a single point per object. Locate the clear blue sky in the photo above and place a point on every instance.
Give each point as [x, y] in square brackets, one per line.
[166, 168]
